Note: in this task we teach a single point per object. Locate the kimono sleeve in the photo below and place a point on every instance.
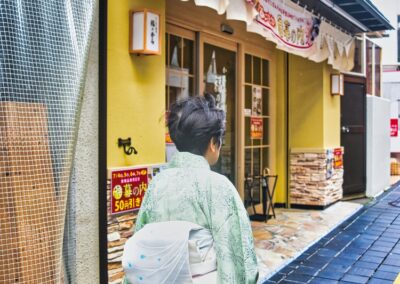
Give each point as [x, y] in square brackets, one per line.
[146, 209]
[233, 238]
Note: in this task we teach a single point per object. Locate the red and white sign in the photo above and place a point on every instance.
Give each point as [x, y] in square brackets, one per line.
[394, 127]
[291, 27]
[256, 125]
[127, 189]
[337, 158]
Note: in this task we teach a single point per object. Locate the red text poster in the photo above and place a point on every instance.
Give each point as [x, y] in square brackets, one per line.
[337, 158]
[127, 189]
[394, 127]
[256, 127]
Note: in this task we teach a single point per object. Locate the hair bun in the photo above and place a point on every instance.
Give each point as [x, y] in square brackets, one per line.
[210, 100]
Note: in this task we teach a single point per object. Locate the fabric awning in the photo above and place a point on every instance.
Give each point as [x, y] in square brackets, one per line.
[331, 44]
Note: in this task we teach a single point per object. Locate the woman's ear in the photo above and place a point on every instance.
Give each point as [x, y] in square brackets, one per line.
[213, 145]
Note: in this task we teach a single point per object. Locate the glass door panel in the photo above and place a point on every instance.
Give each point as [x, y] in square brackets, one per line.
[219, 69]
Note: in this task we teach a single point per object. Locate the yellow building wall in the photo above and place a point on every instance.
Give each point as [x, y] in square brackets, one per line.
[136, 91]
[281, 122]
[306, 103]
[331, 112]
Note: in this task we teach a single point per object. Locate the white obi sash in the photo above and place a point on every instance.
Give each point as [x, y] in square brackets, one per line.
[170, 252]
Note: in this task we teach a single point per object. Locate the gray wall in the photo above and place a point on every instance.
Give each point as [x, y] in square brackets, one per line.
[378, 145]
[86, 175]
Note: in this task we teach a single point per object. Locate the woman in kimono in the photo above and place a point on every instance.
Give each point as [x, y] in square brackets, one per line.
[187, 190]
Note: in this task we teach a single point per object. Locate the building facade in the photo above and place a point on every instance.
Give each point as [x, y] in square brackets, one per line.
[281, 113]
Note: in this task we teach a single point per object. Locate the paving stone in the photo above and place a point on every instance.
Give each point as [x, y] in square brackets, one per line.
[375, 253]
[389, 268]
[385, 275]
[355, 279]
[277, 277]
[284, 281]
[327, 252]
[379, 281]
[392, 262]
[342, 261]
[380, 248]
[330, 275]
[298, 277]
[318, 280]
[361, 271]
[384, 244]
[374, 259]
[369, 265]
[311, 271]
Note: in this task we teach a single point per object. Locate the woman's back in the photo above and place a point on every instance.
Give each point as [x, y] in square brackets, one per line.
[189, 191]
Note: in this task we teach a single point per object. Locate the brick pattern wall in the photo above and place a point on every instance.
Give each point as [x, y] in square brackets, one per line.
[119, 228]
[310, 183]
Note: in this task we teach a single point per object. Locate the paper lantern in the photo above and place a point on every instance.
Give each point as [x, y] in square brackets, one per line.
[144, 32]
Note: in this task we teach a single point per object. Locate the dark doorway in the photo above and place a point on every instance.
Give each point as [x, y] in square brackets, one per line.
[353, 133]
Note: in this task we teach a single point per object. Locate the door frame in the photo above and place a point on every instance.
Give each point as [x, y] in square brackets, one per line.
[362, 81]
[241, 45]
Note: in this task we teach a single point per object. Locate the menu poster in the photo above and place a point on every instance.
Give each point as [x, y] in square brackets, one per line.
[256, 127]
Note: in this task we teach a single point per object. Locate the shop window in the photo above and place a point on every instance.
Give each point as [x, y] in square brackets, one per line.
[377, 71]
[256, 114]
[369, 52]
[219, 70]
[373, 68]
[180, 66]
[398, 38]
[180, 74]
[358, 57]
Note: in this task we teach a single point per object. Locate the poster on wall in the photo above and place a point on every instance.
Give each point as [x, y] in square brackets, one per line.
[256, 101]
[128, 187]
[288, 26]
[394, 127]
[329, 164]
[256, 127]
[338, 158]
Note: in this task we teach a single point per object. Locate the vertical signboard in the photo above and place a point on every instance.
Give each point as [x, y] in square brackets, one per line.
[394, 127]
[127, 189]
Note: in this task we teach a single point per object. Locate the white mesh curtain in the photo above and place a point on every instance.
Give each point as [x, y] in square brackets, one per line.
[43, 56]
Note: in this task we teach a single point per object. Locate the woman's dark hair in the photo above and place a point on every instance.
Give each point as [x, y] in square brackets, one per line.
[194, 121]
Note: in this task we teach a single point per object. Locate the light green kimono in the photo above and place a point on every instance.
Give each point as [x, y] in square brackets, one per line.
[189, 191]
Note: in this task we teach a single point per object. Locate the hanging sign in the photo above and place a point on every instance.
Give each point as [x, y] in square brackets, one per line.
[127, 189]
[394, 127]
[256, 127]
[293, 28]
[338, 158]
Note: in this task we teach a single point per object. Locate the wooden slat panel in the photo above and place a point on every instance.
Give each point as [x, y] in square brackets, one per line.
[34, 205]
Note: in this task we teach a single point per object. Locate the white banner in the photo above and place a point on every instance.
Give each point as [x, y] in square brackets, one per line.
[290, 27]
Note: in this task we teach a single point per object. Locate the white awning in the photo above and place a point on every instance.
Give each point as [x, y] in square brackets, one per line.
[331, 43]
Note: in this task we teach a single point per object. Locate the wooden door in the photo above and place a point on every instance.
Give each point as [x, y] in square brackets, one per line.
[353, 137]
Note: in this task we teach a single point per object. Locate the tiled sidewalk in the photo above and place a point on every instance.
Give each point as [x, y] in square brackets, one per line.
[363, 249]
[280, 240]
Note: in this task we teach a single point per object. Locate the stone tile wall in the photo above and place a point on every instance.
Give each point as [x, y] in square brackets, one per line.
[119, 228]
[310, 181]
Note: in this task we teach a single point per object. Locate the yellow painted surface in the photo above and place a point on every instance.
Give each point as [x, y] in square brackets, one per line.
[305, 103]
[281, 117]
[314, 113]
[136, 91]
[331, 112]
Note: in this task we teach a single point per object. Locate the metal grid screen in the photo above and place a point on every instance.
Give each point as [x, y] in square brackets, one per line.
[43, 56]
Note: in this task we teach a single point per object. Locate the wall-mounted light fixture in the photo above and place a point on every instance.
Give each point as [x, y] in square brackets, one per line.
[144, 32]
[126, 143]
[337, 84]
